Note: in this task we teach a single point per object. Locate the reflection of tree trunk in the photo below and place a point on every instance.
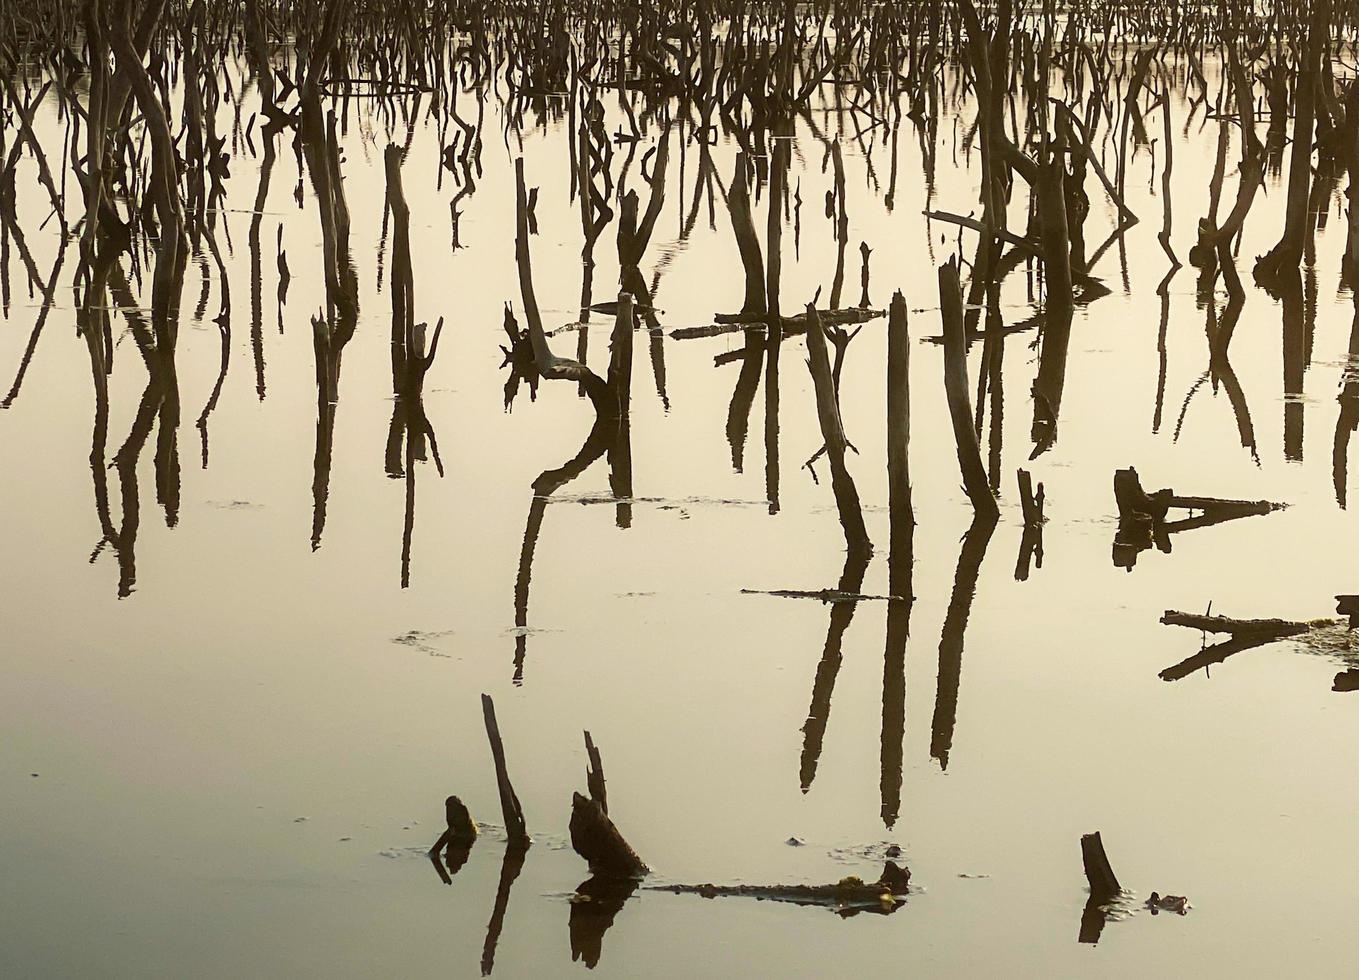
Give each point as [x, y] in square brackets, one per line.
[126, 463]
[1294, 361]
[951, 638]
[1058, 309]
[591, 917]
[1348, 418]
[256, 265]
[841, 614]
[1219, 339]
[547, 483]
[48, 294]
[743, 396]
[509, 871]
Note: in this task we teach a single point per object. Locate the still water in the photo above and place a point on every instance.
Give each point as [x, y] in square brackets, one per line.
[227, 743]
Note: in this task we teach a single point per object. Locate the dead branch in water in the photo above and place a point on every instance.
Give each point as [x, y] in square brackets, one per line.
[513, 814]
[848, 896]
[1234, 627]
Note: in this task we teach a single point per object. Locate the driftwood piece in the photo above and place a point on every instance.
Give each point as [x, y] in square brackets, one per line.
[828, 318]
[1234, 627]
[516, 831]
[593, 835]
[1243, 634]
[848, 896]
[823, 595]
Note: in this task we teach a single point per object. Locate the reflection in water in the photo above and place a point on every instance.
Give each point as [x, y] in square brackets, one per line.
[509, 871]
[1348, 418]
[743, 397]
[970, 557]
[595, 905]
[141, 148]
[332, 330]
[841, 615]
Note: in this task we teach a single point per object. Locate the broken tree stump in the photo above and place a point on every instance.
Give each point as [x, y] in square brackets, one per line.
[1098, 872]
[516, 832]
[593, 835]
[1031, 501]
[462, 829]
[1348, 605]
[1135, 503]
[1142, 516]
[454, 846]
[1031, 544]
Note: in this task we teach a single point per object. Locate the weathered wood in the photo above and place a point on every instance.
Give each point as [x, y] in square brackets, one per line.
[1234, 627]
[743, 226]
[516, 831]
[594, 775]
[956, 391]
[548, 364]
[900, 511]
[828, 318]
[1135, 503]
[833, 432]
[823, 595]
[595, 838]
[593, 834]
[1348, 605]
[1098, 872]
[848, 895]
[1030, 501]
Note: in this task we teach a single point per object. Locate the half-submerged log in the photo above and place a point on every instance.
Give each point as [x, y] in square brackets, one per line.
[593, 835]
[1234, 627]
[848, 896]
[1243, 634]
[516, 832]
[1142, 516]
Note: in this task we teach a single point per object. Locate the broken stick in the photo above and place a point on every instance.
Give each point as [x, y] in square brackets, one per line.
[516, 832]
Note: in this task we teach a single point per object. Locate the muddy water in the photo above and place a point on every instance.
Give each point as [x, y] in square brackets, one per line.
[236, 768]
